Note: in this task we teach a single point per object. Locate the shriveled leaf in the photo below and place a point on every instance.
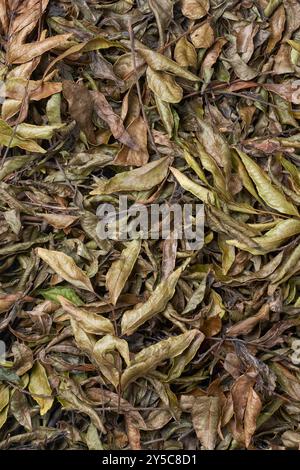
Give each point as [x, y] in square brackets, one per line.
[185, 53]
[206, 414]
[203, 37]
[272, 196]
[164, 86]
[88, 321]
[157, 302]
[105, 360]
[150, 357]
[40, 389]
[139, 179]
[120, 270]
[20, 409]
[195, 9]
[65, 267]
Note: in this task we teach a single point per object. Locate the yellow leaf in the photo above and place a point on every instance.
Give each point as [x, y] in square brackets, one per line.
[149, 358]
[139, 179]
[272, 196]
[199, 191]
[39, 385]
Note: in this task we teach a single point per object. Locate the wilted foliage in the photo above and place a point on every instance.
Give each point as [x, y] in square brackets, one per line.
[145, 344]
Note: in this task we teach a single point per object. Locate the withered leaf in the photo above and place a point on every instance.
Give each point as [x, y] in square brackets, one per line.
[65, 267]
[116, 331]
[157, 302]
[149, 358]
[120, 270]
[40, 389]
[88, 321]
[105, 112]
[195, 9]
[139, 179]
[203, 37]
[206, 415]
[164, 86]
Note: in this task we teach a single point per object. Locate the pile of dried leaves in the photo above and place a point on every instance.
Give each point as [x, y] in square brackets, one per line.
[145, 344]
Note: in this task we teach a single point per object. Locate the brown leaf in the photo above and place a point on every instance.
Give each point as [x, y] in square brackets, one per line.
[206, 416]
[115, 123]
[128, 156]
[245, 326]
[247, 406]
[80, 107]
[20, 54]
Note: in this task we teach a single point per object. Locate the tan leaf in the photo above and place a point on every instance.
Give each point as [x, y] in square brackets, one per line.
[247, 406]
[87, 321]
[115, 123]
[105, 360]
[65, 267]
[195, 9]
[59, 221]
[205, 416]
[164, 86]
[203, 37]
[244, 327]
[20, 54]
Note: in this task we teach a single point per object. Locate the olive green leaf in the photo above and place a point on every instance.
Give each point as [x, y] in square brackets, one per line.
[121, 269]
[149, 358]
[272, 196]
[146, 177]
[157, 302]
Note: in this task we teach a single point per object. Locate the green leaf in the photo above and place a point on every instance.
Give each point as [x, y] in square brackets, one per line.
[52, 292]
